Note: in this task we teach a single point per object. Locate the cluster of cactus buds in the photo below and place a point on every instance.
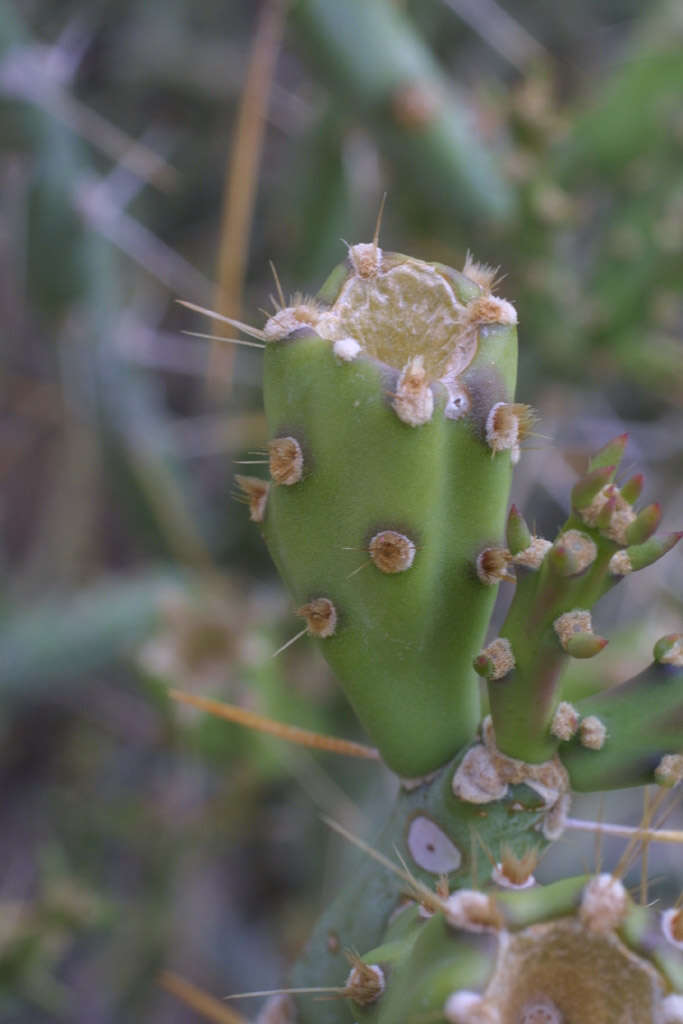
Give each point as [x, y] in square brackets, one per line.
[393, 435]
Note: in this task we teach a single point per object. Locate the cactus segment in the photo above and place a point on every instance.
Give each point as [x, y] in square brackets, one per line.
[386, 471]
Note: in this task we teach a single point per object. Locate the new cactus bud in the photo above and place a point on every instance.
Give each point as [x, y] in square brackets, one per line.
[644, 525]
[633, 488]
[586, 489]
[642, 555]
[610, 454]
[518, 534]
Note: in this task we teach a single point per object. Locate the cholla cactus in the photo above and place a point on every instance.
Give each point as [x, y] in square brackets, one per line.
[393, 435]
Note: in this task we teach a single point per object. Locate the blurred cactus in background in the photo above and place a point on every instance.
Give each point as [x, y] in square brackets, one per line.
[140, 834]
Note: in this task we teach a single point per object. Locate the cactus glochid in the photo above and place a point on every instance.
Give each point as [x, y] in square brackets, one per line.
[393, 432]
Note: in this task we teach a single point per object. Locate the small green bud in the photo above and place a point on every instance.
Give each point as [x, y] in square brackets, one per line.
[585, 645]
[669, 649]
[518, 534]
[645, 524]
[642, 555]
[610, 454]
[587, 487]
[632, 489]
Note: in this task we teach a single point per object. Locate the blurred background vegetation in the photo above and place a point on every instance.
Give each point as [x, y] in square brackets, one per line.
[158, 150]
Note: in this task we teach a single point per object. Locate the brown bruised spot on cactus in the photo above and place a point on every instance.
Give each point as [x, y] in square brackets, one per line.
[532, 556]
[604, 904]
[414, 400]
[507, 425]
[620, 564]
[255, 491]
[496, 659]
[430, 847]
[473, 911]
[610, 513]
[669, 771]
[286, 460]
[391, 551]
[321, 617]
[365, 983]
[672, 926]
[565, 721]
[592, 733]
[513, 872]
[493, 566]
[465, 1007]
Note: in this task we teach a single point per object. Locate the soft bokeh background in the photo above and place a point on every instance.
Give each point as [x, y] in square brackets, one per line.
[157, 149]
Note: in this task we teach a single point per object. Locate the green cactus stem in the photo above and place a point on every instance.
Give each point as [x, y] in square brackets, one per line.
[372, 55]
[381, 399]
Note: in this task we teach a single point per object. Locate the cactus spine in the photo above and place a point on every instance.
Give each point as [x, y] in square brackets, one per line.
[393, 434]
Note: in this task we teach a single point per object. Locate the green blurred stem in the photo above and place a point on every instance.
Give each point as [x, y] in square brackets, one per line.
[369, 52]
[644, 721]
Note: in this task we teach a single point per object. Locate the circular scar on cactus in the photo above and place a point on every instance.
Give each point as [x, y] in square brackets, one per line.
[391, 551]
[405, 313]
[431, 848]
[484, 775]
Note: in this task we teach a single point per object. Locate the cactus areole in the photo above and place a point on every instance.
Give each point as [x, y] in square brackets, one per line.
[386, 382]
